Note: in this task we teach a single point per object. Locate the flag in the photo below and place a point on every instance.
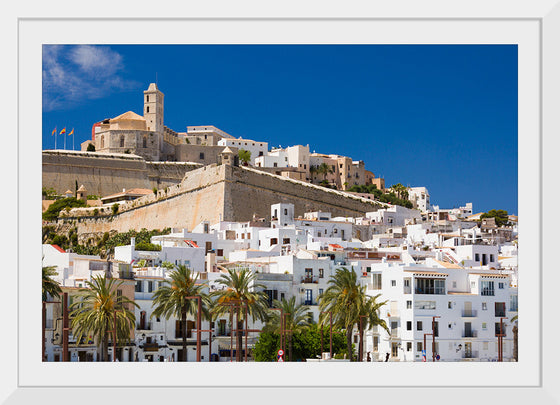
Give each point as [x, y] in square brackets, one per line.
[71, 132]
[54, 131]
[63, 131]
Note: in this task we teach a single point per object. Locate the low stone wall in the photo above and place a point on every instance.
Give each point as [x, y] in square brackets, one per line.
[105, 174]
[217, 193]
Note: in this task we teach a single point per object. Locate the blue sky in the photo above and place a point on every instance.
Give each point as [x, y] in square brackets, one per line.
[439, 116]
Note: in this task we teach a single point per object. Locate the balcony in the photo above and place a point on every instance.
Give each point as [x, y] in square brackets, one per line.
[309, 280]
[500, 314]
[394, 333]
[469, 334]
[144, 326]
[150, 347]
[469, 313]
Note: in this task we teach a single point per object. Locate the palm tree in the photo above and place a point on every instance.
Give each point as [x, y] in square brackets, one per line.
[97, 310]
[400, 190]
[324, 169]
[347, 300]
[50, 286]
[171, 300]
[369, 317]
[240, 287]
[296, 318]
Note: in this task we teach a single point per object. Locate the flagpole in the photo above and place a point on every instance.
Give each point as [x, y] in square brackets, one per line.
[73, 139]
[55, 136]
[64, 141]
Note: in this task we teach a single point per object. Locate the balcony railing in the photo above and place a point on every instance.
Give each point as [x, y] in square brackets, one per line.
[430, 290]
[151, 347]
[469, 313]
[309, 280]
[500, 314]
[394, 332]
[470, 334]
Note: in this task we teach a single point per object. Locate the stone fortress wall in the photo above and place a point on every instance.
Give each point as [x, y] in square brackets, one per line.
[215, 193]
[108, 174]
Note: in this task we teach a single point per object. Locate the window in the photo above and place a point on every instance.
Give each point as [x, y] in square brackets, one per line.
[484, 306]
[419, 346]
[487, 288]
[201, 156]
[139, 286]
[484, 326]
[286, 241]
[308, 297]
[408, 304]
[147, 98]
[498, 329]
[376, 281]
[513, 303]
[491, 258]
[500, 309]
[122, 142]
[425, 305]
[273, 241]
[150, 286]
[501, 286]
[449, 305]
[308, 273]
[376, 343]
[119, 298]
[473, 284]
[454, 284]
[429, 286]
[476, 257]
[408, 325]
[320, 291]
[418, 325]
[321, 273]
[144, 142]
[220, 252]
[408, 346]
[147, 108]
[393, 283]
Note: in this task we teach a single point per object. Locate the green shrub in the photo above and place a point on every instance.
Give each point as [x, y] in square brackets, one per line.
[115, 208]
[54, 209]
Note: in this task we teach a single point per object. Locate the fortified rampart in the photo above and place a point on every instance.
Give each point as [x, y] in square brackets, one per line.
[215, 193]
[104, 174]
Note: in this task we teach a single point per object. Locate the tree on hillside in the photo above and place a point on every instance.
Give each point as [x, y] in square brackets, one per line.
[244, 156]
[324, 169]
[501, 217]
[51, 214]
[400, 190]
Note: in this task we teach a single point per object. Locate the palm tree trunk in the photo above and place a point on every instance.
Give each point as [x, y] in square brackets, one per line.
[184, 334]
[349, 342]
[361, 348]
[290, 345]
[105, 347]
[239, 352]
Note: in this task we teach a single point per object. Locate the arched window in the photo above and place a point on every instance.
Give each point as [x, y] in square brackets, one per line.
[122, 141]
[147, 108]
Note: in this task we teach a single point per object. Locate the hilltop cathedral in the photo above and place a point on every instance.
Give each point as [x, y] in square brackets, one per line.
[148, 137]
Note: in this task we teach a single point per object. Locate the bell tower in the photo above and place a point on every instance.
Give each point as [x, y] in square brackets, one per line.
[153, 108]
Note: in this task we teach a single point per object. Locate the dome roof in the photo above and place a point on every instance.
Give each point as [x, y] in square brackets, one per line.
[129, 116]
